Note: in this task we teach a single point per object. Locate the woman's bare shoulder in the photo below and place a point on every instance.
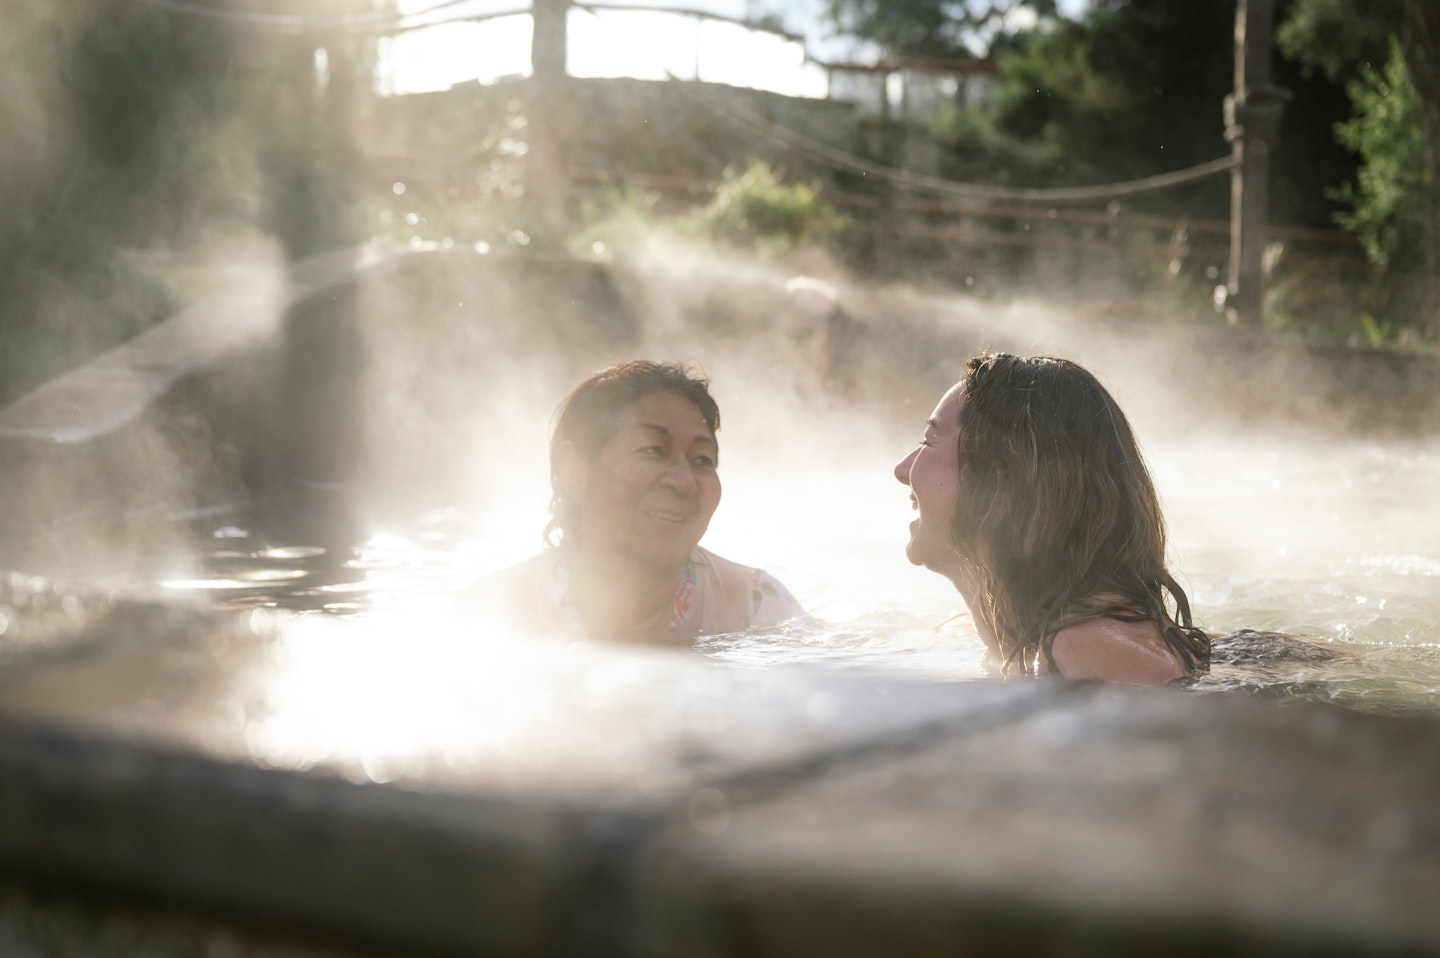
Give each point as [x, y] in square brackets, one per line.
[1115, 650]
[764, 599]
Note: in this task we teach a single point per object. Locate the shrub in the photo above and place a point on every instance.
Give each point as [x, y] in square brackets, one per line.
[756, 209]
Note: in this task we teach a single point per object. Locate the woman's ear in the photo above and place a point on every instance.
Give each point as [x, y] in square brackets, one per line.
[571, 471]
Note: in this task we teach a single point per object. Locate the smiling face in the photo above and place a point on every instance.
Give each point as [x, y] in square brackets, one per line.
[932, 472]
[647, 496]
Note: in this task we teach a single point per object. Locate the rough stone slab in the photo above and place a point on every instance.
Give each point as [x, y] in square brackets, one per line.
[49, 922]
[1108, 820]
[428, 873]
[408, 785]
[149, 754]
[437, 707]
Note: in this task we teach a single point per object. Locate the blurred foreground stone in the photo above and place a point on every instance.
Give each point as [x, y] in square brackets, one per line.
[183, 782]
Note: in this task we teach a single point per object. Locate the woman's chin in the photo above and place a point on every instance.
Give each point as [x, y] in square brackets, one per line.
[914, 552]
[941, 562]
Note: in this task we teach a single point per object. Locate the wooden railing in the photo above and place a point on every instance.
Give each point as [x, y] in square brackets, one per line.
[1113, 231]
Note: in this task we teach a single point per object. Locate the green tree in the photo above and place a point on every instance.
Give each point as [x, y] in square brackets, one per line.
[1132, 89]
[1386, 133]
[938, 28]
[1340, 38]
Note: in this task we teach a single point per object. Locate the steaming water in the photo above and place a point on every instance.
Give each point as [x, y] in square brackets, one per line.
[1333, 543]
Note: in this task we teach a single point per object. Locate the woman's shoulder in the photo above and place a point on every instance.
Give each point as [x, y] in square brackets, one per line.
[766, 600]
[517, 591]
[1115, 650]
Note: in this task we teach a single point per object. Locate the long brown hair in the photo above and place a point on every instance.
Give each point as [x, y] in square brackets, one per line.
[1057, 520]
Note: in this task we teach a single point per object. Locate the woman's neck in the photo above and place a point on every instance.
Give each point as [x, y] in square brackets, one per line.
[970, 592]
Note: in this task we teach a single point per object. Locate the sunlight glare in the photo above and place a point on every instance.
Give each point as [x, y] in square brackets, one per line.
[388, 693]
[729, 53]
[631, 43]
[642, 44]
[439, 57]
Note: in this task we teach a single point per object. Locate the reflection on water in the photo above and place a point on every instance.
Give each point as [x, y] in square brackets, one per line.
[1337, 546]
[386, 570]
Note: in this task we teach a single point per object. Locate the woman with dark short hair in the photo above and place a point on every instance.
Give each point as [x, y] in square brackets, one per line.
[634, 474]
[1034, 500]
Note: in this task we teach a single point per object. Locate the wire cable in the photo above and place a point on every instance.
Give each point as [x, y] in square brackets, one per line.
[370, 22]
[842, 159]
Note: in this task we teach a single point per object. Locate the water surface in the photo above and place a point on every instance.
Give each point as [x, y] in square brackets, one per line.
[1334, 544]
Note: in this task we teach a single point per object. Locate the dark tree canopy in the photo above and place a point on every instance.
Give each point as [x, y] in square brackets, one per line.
[937, 28]
[1337, 37]
[1345, 39]
[1134, 89]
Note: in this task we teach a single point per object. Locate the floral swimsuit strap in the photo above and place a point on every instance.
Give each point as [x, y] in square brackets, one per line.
[685, 594]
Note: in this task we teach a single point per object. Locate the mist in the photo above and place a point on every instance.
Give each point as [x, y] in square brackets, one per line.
[279, 360]
[381, 387]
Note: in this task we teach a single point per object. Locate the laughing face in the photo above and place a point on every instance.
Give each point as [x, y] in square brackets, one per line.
[648, 495]
[932, 471]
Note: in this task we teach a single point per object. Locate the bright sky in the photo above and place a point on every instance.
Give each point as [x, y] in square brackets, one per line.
[602, 43]
[611, 43]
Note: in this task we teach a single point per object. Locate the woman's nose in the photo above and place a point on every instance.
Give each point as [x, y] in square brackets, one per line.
[680, 475]
[902, 468]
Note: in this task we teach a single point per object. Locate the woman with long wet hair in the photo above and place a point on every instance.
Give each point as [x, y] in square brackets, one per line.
[1034, 500]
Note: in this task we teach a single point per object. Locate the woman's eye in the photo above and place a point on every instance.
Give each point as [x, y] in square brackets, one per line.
[651, 452]
[704, 462]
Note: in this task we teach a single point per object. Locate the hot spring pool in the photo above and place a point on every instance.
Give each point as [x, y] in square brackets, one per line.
[248, 444]
[1337, 543]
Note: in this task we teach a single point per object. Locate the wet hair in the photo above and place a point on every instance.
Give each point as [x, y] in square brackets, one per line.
[1057, 520]
[590, 415]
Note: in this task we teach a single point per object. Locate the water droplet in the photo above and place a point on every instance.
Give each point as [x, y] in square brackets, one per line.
[709, 811]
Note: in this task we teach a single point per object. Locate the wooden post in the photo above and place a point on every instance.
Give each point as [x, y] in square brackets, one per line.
[547, 186]
[1252, 126]
[883, 258]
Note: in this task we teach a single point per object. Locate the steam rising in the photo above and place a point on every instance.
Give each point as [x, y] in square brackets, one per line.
[424, 387]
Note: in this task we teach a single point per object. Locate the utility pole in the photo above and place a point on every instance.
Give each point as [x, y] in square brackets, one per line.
[547, 187]
[1252, 126]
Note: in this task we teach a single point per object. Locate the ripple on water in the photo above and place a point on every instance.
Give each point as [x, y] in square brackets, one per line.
[1315, 566]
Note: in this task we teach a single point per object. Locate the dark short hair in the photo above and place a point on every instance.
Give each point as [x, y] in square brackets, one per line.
[589, 416]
